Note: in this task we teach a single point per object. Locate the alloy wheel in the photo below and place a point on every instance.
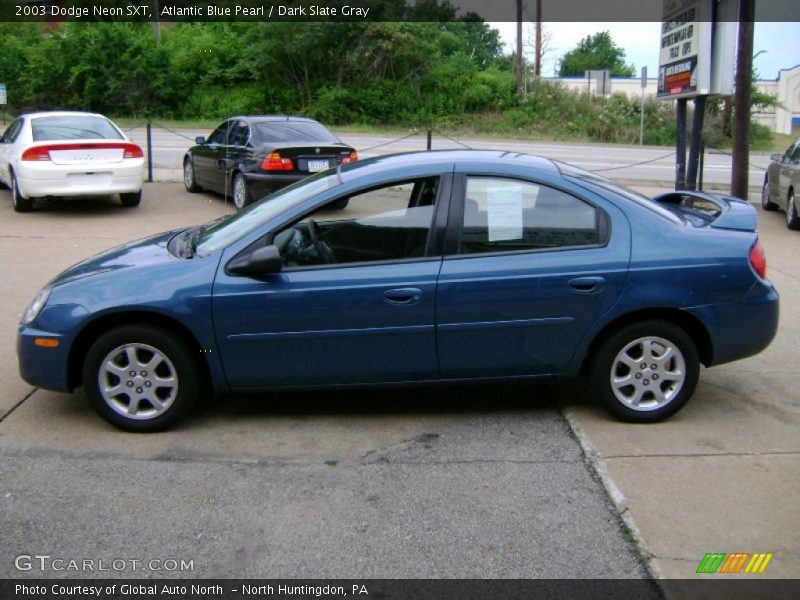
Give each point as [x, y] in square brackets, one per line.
[648, 373]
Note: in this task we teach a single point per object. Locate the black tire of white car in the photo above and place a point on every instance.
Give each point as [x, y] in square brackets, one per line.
[792, 219]
[131, 200]
[21, 204]
[645, 371]
[766, 203]
[140, 378]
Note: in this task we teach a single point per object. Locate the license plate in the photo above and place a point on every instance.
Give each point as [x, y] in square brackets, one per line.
[317, 165]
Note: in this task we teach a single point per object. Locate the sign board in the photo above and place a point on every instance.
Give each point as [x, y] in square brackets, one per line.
[602, 80]
[3, 93]
[684, 66]
[644, 76]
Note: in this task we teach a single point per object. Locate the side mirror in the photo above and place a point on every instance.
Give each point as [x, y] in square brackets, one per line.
[261, 261]
[199, 140]
[776, 157]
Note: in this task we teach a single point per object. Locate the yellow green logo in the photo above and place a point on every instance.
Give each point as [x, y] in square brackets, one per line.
[734, 563]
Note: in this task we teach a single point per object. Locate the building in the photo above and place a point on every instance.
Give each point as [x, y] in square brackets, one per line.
[783, 119]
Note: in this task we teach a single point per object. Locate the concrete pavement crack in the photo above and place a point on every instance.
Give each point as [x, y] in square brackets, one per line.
[17, 405]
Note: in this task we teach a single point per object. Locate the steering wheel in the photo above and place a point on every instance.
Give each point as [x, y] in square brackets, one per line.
[318, 239]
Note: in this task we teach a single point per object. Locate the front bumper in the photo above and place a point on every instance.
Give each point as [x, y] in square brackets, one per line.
[43, 367]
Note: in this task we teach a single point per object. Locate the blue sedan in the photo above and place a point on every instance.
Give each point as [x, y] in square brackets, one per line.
[448, 266]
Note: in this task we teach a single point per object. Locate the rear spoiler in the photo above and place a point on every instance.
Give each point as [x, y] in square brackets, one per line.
[704, 209]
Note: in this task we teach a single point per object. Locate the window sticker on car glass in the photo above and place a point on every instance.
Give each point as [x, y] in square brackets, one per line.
[505, 213]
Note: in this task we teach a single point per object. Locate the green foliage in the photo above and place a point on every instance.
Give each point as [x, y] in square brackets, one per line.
[596, 51]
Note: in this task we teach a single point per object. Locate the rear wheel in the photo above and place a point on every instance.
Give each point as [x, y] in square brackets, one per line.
[189, 182]
[131, 200]
[766, 203]
[241, 195]
[792, 220]
[21, 204]
[646, 371]
[140, 378]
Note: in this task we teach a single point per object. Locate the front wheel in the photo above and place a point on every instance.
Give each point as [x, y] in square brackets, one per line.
[140, 378]
[766, 203]
[646, 371]
[792, 220]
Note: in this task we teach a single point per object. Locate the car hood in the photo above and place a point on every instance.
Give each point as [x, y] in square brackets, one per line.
[143, 253]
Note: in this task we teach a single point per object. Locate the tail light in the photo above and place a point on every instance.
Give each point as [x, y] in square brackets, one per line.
[275, 162]
[41, 153]
[758, 260]
[352, 158]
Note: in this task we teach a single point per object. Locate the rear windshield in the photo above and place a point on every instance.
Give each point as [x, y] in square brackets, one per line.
[73, 128]
[294, 131]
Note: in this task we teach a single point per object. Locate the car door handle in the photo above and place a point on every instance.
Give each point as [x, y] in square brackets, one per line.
[402, 296]
[587, 285]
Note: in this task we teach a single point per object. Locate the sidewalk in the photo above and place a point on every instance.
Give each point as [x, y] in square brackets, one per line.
[723, 475]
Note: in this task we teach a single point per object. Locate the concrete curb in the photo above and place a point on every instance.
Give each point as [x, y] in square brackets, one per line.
[615, 494]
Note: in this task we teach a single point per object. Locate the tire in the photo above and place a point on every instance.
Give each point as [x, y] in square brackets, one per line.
[21, 204]
[766, 203]
[658, 390]
[189, 181]
[340, 204]
[162, 357]
[240, 194]
[131, 200]
[792, 219]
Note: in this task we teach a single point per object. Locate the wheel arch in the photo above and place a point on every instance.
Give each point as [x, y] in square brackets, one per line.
[103, 323]
[693, 327]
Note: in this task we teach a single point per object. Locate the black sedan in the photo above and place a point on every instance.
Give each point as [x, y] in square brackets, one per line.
[249, 157]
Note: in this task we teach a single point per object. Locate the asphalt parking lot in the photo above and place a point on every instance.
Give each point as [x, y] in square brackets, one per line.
[479, 482]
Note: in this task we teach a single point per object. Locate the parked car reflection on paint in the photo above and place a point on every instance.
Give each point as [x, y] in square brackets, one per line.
[448, 266]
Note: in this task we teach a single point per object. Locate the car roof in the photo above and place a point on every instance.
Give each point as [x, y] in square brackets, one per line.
[486, 159]
[61, 113]
[262, 118]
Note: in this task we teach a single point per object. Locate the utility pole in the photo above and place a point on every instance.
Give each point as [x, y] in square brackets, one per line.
[742, 96]
[537, 61]
[518, 62]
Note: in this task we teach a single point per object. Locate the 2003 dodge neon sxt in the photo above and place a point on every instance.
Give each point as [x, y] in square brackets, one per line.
[444, 266]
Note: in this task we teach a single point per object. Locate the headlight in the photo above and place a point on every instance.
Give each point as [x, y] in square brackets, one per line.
[36, 306]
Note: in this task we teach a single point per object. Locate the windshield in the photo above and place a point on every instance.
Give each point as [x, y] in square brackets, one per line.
[217, 235]
[73, 128]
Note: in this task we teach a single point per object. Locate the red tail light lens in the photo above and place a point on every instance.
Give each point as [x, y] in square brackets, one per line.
[352, 158]
[43, 152]
[275, 162]
[758, 260]
[37, 153]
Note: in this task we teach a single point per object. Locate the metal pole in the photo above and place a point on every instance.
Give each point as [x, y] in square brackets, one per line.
[429, 138]
[702, 162]
[641, 119]
[680, 145]
[697, 136]
[149, 151]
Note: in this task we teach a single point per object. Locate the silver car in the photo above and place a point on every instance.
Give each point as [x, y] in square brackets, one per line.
[782, 184]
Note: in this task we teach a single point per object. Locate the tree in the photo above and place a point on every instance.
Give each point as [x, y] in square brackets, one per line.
[596, 51]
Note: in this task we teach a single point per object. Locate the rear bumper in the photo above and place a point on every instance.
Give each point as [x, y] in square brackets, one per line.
[263, 184]
[744, 328]
[46, 179]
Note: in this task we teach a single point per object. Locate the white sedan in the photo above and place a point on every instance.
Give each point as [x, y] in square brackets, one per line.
[69, 154]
